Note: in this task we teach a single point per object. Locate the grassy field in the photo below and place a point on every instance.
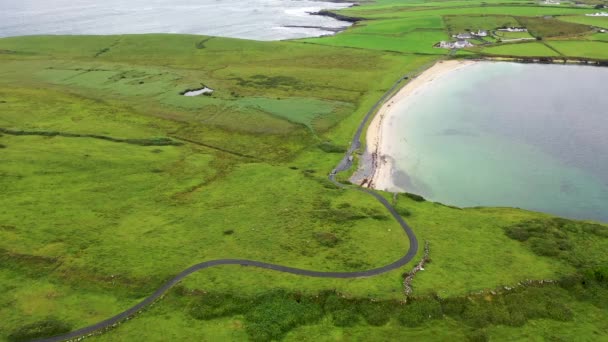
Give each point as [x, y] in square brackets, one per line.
[533, 49]
[598, 49]
[585, 20]
[112, 182]
[461, 23]
[444, 8]
[420, 42]
[598, 36]
[550, 27]
[512, 35]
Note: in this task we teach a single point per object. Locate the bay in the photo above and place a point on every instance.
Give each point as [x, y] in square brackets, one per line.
[507, 134]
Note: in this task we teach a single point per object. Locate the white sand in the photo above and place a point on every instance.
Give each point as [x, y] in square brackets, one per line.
[383, 166]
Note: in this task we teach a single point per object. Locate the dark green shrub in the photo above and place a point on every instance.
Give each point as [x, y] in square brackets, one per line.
[329, 147]
[454, 306]
[418, 311]
[2, 146]
[591, 286]
[377, 313]
[596, 229]
[375, 214]
[326, 239]
[404, 212]
[327, 184]
[340, 215]
[213, 305]
[477, 314]
[345, 318]
[518, 233]
[343, 311]
[600, 275]
[414, 197]
[544, 247]
[47, 328]
[275, 314]
[558, 311]
[479, 335]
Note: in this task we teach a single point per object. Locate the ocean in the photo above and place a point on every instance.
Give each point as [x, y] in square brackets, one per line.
[248, 19]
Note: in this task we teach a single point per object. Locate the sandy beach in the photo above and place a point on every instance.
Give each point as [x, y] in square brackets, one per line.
[381, 164]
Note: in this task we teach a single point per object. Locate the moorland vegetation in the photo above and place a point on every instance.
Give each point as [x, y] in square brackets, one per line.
[112, 182]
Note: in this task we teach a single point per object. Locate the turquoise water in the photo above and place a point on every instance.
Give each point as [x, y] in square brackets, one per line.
[506, 134]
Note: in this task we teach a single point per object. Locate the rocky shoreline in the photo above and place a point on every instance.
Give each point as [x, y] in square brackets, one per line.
[323, 28]
[330, 14]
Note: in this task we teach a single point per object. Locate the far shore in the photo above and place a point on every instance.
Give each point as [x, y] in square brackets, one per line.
[382, 164]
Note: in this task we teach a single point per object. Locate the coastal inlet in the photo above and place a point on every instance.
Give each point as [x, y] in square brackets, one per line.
[496, 134]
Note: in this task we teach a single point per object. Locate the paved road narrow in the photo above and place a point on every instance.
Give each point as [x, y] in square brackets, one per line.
[344, 165]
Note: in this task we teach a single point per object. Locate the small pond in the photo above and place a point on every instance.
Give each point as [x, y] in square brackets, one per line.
[197, 92]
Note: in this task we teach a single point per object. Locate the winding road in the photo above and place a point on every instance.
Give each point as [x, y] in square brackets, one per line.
[344, 165]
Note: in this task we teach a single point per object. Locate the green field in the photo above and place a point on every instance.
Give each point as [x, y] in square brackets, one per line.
[589, 49]
[512, 35]
[420, 42]
[521, 50]
[585, 20]
[461, 23]
[598, 36]
[399, 26]
[112, 183]
[473, 9]
[550, 27]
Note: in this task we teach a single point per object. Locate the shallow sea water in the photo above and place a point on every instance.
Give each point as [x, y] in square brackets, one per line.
[506, 134]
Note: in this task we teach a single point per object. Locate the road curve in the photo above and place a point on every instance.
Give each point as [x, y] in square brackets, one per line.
[344, 164]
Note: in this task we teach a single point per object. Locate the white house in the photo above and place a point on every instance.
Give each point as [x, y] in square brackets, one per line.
[463, 36]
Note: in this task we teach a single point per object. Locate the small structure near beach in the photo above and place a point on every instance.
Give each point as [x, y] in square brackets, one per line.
[461, 44]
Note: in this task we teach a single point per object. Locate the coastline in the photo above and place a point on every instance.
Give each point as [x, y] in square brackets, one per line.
[381, 165]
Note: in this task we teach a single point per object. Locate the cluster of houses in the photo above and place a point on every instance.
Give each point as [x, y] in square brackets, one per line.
[460, 44]
[513, 29]
[471, 35]
[598, 14]
[462, 41]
